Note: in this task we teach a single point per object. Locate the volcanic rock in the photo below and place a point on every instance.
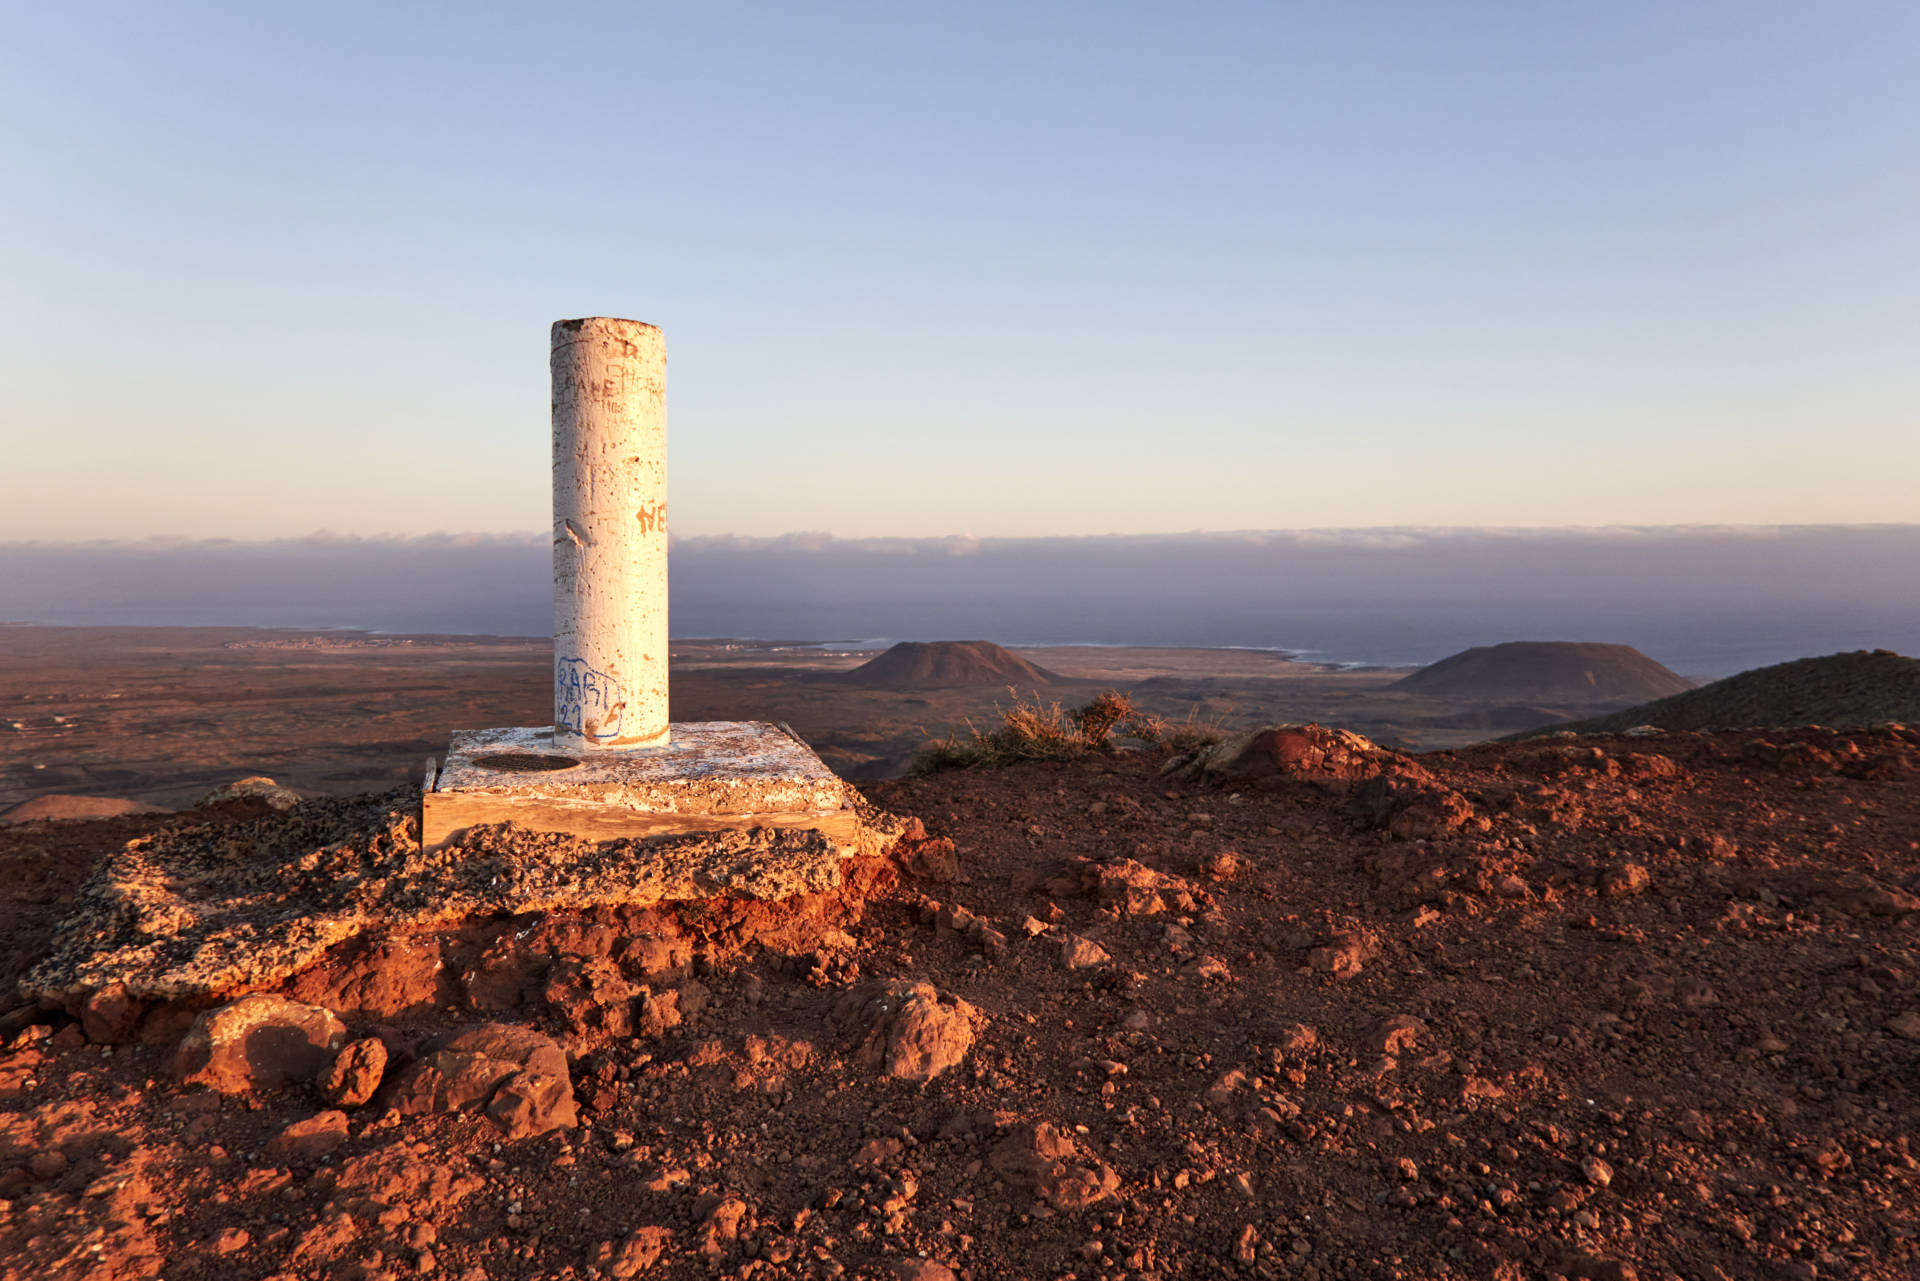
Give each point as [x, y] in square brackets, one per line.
[354, 1075]
[1044, 1161]
[592, 999]
[518, 1076]
[178, 914]
[1331, 758]
[1411, 806]
[912, 1032]
[258, 1041]
[640, 1250]
[919, 1270]
[311, 1139]
[1078, 953]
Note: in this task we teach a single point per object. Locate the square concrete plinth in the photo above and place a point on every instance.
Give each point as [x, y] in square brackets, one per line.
[710, 775]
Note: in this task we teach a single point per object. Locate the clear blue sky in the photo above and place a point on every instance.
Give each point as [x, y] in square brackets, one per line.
[992, 269]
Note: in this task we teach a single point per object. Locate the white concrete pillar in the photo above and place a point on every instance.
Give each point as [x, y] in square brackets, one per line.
[609, 534]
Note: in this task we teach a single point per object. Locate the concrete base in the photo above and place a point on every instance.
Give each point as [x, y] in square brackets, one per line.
[709, 776]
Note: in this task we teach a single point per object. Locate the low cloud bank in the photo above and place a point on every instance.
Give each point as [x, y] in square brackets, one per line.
[1704, 600]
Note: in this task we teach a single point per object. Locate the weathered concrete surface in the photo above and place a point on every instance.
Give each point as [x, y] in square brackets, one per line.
[706, 767]
[208, 911]
[609, 533]
[709, 775]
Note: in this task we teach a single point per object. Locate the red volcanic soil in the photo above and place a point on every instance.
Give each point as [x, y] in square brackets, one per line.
[1548, 671]
[1625, 1007]
[946, 664]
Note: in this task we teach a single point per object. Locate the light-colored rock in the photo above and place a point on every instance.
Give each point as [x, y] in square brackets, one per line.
[1077, 953]
[260, 1041]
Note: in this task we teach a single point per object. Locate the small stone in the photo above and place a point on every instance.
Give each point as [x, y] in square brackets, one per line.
[231, 1241]
[110, 1017]
[1397, 1034]
[1596, 1172]
[1905, 1025]
[355, 1073]
[529, 1103]
[933, 860]
[1623, 879]
[919, 1270]
[1077, 953]
[640, 1250]
[1343, 955]
[311, 1139]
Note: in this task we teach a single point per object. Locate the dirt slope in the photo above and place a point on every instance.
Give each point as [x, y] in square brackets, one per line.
[1548, 671]
[1629, 1008]
[1865, 687]
[60, 807]
[946, 664]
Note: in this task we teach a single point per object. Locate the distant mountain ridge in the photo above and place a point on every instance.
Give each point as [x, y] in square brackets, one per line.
[1548, 672]
[1840, 691]
[945, 664]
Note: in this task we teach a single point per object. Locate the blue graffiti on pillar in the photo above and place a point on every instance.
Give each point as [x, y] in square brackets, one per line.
[583, 697]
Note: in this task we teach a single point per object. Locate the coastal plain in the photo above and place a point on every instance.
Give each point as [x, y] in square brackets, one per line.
[164, 714]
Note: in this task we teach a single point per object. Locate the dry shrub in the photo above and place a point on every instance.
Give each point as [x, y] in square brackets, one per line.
[1176, 736]
[1033, 730]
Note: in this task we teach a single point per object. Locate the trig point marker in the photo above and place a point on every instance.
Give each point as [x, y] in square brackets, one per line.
[611, 765]
[609, 534]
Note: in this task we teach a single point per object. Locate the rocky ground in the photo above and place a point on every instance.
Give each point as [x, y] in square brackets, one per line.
[1595, 1008]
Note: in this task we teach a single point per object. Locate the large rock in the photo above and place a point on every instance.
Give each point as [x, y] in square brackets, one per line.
[258, 1041]
[1043, 1160]
[912, 1032]
[1332, 758]
[593, 1000]
[515, 1075]
[1412, 806]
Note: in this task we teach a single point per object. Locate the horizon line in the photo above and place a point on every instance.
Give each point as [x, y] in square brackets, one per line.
[327, 537]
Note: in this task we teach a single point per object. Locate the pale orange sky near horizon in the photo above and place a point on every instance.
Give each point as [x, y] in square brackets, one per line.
[1081, 271]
